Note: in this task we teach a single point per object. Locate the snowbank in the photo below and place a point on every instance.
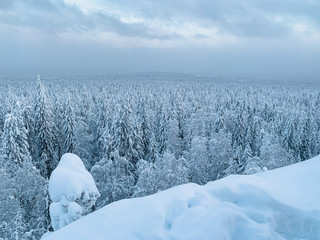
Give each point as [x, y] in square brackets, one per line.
[279, 204]
[72, 190]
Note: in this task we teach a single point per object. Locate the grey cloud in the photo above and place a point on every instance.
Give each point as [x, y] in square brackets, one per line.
[39, 4]
[113, 24]
[253, 16]
[257, 55]
[201, 36]
[256, 26]
[308, 9]
[59, 17]
[6, 4]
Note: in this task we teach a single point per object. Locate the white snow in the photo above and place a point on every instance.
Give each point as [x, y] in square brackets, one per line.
[278, 204]
[72, 190]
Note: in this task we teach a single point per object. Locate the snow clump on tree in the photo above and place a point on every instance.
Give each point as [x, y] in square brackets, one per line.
[72, 190]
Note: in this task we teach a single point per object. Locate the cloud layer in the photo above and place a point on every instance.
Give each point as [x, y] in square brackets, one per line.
[193, 35]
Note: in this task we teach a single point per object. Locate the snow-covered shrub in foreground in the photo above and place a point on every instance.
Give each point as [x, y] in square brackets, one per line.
[72, 190]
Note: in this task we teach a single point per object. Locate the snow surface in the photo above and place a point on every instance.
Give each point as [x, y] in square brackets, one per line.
[278, 204]
[72, 190]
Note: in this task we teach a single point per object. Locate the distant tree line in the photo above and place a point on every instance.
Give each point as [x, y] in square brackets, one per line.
[142, 135]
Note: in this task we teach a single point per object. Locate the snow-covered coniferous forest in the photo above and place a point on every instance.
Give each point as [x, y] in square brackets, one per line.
[139, 134]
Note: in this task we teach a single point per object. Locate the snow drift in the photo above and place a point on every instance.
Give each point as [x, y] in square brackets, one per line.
[72, 190]
[279, 204]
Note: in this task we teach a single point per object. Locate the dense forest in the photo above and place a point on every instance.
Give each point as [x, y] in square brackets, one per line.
[143, 133]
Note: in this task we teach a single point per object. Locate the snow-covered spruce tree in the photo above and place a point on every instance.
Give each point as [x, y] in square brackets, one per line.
[122, 133]
[102, 128]
[15, 141]
[273, 155]
[198, 161]
[238, 132]
[136, 141]
[28, 125]
[59, 120]
[220, 153]
[246, 156]
[30, 186]
[160, 130]
[44, 127]
[32, 193]
[152, 152]
[12, 226]
[305, 139]
[183, 131]
[144, 127]
[255, 136]
[220, 124]
[86, 147]
[2, 118]
[288, 135]
[171, 171]
[254, 165]
[69, 128]
[147, 179]
[114, 179]
[174, 142]
[166, 172]
[235, 166]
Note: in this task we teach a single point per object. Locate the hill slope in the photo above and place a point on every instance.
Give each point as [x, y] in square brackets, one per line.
[278, 204]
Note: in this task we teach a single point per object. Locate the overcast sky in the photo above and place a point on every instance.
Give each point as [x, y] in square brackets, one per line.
[276, 39]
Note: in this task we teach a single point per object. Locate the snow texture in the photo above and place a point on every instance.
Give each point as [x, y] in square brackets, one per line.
[277, 204]
[72, 190]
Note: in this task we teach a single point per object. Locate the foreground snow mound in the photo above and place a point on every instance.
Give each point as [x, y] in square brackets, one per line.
[72, 190]
[237, 207]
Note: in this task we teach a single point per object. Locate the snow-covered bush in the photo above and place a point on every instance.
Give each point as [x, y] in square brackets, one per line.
[72, 190]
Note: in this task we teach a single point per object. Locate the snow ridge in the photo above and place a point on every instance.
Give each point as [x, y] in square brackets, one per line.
[261, 206]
